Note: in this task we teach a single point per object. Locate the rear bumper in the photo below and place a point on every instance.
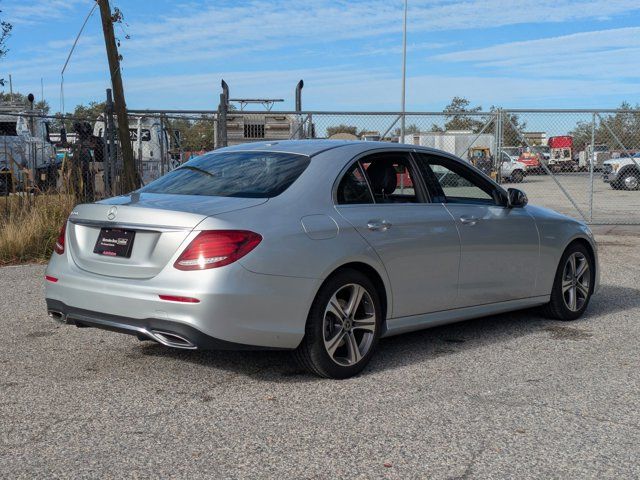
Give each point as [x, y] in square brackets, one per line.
[165, 332]
[235, 306]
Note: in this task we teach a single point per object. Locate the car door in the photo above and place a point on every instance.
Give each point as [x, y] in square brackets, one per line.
[384, 198]
[499, 245]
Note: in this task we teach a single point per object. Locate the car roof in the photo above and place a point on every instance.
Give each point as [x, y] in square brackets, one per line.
[314, 147]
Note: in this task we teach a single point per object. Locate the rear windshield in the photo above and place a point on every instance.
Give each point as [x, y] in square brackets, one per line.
[233, 174]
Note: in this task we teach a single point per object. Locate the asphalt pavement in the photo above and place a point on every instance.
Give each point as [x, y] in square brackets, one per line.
[508, 396]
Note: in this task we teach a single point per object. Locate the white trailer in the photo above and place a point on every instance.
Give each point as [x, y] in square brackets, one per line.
[25, 149]
[456, 142]
[150, 143]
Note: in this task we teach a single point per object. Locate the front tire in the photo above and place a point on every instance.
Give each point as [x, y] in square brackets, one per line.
[517, 176]
[343, 326]
[573, 284]
[630, 180]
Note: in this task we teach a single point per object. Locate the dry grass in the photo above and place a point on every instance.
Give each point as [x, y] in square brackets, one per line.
[29, 227]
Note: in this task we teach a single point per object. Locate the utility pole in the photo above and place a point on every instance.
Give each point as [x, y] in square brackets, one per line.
[404, 71]
[130, 178]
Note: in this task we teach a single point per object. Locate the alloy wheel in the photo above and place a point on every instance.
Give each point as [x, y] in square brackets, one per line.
[349, 324]
[576, 279]
[631, 182]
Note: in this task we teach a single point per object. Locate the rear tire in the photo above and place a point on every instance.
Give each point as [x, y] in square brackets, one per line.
[343, 326]
[572, 286]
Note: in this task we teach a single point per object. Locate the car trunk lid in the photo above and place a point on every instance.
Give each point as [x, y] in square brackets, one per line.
[161, 224]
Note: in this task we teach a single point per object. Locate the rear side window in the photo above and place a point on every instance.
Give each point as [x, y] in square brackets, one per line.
[233, 174]
[353, 188]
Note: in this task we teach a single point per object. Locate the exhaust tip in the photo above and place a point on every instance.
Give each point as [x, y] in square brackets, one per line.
[171, 339]
[57, 316]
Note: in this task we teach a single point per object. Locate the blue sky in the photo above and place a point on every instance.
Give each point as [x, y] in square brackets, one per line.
[518, 54]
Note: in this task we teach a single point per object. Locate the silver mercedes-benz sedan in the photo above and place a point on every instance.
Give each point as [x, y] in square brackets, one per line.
[318, 246]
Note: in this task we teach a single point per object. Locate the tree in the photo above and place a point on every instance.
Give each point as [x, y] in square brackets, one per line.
[512, 128]
[619, 130]
[460, 116]
[408, 130]
[342, 128]
[40, 105]
[195, 135]
[5, 32]
[88, 112]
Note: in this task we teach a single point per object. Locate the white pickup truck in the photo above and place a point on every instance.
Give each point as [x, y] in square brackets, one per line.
[511, 170]
[622, 173]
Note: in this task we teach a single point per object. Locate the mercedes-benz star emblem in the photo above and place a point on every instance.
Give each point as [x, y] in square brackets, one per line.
[111, 214]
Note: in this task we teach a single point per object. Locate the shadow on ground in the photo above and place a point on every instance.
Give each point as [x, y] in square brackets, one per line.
[416, 347]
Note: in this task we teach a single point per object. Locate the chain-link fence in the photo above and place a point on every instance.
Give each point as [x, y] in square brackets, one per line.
[581, 163]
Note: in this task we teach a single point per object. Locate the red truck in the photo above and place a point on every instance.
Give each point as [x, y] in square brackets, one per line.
[531, 161]
[561, 154]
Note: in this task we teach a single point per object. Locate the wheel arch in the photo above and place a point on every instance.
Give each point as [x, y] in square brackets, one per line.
[586, 243]
[593, 253]
[383, 291]
[633, 168]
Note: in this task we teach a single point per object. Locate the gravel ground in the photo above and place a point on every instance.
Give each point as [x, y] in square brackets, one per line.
[609, 205]
[510, 396]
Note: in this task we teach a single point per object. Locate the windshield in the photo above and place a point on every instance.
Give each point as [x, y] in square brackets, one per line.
[233, 174]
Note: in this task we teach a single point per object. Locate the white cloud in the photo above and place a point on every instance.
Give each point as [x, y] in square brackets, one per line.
[348, 88]
[32, 12]
[201, 32]
[207, 41]
[598, 54]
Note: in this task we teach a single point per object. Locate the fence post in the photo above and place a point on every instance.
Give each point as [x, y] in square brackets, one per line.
[106, 164]
[110, 128]
[162, 145]
[591, 163]
[498, 140]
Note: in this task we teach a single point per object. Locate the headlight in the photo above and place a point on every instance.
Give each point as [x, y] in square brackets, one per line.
[615, 167]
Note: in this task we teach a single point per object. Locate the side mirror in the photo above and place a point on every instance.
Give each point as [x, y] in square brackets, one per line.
[517, 198]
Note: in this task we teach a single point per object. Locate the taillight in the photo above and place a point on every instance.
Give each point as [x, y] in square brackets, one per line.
[216, 248]
[59, 248]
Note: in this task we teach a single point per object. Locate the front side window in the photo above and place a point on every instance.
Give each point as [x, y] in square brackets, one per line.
[452, 182]
[233, 174]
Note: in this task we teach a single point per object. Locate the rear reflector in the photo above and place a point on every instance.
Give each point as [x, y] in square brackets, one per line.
[51, 279]
[59, 247]
[216, 248]
[175, 298]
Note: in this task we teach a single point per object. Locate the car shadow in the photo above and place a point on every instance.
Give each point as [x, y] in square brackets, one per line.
[415, 347]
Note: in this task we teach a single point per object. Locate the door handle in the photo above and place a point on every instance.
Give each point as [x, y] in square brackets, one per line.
[378, 225]
[469, 220]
